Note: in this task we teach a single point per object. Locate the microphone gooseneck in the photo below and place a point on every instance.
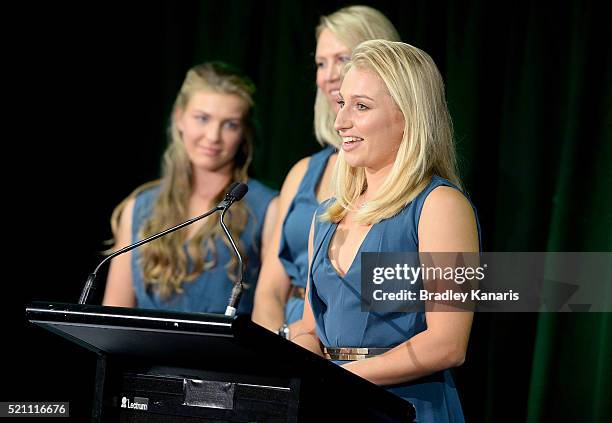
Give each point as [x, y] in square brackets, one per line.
[235, 192]
[91, 278]
[237, 288]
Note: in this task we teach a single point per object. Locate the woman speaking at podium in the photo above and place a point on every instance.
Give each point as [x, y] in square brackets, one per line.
[396, 189]
[210, 147]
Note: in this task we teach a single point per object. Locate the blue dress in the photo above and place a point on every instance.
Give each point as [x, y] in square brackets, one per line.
[210, 291]
[336, 305]
[293, 251]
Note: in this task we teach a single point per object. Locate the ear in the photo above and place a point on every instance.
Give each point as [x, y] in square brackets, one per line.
[178, 118]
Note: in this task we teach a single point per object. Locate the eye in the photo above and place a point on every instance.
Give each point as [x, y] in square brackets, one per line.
[344, 59]
[202, 118]
[341, 103]
[233, 125]
[361, 106]
[320, 65]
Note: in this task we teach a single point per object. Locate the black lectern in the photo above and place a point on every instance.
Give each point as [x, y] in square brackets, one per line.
[158, 366]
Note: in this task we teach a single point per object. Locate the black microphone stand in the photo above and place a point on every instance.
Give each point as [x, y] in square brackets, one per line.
[230, 310]
[91, 278]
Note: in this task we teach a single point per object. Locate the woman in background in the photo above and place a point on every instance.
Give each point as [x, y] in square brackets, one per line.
[211, 145]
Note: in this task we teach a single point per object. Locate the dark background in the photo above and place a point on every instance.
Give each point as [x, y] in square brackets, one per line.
[86, 102]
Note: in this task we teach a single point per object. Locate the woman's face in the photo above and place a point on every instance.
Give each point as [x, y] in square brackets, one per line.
[211, 126]
[330, 57]
[370, 123]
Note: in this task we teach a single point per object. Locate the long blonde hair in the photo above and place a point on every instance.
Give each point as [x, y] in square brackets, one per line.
[352, 25]
[163, 263]
[426, 148]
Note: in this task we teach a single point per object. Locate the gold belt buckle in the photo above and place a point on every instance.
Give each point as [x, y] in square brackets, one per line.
[345, 354]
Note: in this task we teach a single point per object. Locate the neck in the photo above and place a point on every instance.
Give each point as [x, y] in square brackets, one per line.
[207, 184]
[375, 179]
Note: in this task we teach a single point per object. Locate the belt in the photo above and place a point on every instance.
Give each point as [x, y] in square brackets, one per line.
[297, 292]
[349, 354]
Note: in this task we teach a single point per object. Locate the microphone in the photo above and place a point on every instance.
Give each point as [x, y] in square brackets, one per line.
[235, 192]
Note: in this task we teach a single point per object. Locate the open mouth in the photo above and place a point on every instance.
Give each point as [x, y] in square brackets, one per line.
[351, 140]
[350, 143]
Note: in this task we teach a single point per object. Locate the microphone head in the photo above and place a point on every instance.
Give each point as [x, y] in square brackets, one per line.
[232, 187]
[238, 190]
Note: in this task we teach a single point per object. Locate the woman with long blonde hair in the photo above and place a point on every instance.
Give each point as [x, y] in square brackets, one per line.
[396, 189]
[210, 147]
[279, 299]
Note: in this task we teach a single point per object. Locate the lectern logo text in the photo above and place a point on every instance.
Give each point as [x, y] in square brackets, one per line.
[138, 403]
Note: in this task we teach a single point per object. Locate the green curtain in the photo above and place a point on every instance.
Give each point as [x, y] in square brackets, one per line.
[529, 89]
[571, 366]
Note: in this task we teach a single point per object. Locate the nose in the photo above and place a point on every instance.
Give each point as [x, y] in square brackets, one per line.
[343, 121]
[333, 72]
[213, 132]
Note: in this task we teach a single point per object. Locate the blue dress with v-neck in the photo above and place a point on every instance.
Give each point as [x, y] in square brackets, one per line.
[336, 305]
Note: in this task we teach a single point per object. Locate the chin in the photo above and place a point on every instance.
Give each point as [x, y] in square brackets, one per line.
[354, 161]
[209, 165]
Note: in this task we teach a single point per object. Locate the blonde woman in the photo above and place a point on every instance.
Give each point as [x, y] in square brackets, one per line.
[396, 189]
[279, 299]
[211, 143]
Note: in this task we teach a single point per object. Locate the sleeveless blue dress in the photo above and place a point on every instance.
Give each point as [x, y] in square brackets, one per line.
[210, 291]
[336, 304]
[293, 251]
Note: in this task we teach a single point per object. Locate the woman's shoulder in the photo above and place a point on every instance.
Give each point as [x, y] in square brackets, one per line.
[147, 192]
[449, 219]
[442, 193]
[438, 181]
[259, 188]
[144, 195]
[296, 173]
[136, 207]
[293, 180]
[446, 197]
[143, 198]
[448, 222]
[435, 183]
[299, 170]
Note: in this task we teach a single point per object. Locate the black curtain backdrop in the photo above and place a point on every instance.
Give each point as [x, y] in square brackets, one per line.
[529, 88]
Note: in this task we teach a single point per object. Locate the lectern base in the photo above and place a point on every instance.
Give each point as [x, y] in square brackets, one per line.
[169, 394]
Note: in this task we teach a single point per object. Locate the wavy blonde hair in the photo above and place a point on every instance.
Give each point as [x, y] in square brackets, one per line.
[352, 25]
[426, 148]
[164, 264]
